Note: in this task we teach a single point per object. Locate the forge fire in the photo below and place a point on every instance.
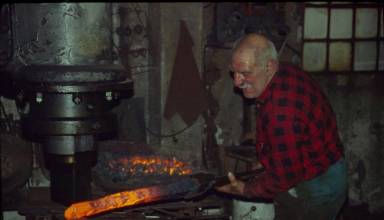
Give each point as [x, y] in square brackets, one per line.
[142, 165]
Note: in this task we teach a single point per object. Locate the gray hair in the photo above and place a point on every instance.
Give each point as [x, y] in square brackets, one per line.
[261, 56]
[268, 53]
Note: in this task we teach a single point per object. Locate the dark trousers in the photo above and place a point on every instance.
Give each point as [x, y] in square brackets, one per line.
[318, 199]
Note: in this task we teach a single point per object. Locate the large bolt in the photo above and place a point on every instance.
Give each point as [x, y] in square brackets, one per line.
[39, 97]
[76, 99]
[108, 96]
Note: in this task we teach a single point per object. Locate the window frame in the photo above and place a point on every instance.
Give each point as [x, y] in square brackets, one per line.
[352, 40]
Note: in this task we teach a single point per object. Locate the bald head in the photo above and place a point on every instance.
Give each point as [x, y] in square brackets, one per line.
[251, 40]
[258, 45]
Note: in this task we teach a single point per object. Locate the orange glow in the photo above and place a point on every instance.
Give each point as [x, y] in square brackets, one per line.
[81, 210]
[150, 165]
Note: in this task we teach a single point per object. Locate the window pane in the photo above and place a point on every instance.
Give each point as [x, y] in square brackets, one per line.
[365, 55]
[315, 23]
[339, 56]
[341, 23]
[381, 58]
[314, 56]
[366, 22]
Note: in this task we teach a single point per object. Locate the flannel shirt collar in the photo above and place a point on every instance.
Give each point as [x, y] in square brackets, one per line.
[263, 98]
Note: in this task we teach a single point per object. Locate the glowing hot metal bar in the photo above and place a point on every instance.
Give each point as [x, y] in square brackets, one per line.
[129, 198]
[188, 187]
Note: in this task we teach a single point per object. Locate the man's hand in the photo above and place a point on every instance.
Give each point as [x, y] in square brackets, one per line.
[234, 187]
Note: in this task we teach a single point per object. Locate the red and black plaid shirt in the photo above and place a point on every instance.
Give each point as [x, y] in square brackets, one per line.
[297, 137]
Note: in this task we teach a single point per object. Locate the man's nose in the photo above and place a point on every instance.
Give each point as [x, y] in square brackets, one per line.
[238, 79]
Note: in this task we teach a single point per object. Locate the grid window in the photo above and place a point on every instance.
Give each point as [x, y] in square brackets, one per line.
[343, 37]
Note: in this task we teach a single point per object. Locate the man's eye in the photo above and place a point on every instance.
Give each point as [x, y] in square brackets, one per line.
[245, 73]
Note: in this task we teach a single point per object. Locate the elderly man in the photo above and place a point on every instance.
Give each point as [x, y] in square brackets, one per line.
[296, 134]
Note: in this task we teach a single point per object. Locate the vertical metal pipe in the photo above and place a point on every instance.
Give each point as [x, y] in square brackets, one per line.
[63, 33]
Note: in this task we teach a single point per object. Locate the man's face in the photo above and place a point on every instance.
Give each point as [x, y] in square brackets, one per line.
[249, 76]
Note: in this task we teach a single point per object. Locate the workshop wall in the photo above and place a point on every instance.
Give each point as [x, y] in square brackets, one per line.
[358, 103]
[174, 135]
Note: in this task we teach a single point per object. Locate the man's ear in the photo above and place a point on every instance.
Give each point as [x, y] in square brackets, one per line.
[272, 66]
